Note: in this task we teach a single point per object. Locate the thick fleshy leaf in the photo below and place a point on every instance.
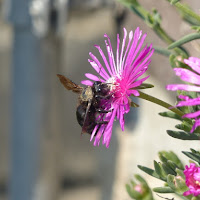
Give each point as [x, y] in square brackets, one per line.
[185, 39]
[193, 156]
[149, 171]
[163, 190]
[171, 115]
[144, 86]
[183, 135]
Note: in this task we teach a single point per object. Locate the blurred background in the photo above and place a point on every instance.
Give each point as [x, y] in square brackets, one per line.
[42, 155]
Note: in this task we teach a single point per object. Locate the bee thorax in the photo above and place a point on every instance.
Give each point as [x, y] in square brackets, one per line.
[87, 94]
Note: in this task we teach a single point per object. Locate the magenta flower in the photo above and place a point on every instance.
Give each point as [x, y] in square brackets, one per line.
[192, 176]
[191, 77]
[121, 73]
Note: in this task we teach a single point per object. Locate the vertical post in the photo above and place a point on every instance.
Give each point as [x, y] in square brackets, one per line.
[34, 65]
[26, 113]
[27, 102]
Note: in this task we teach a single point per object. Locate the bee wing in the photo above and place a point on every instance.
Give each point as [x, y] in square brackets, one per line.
[70, 85]
[86, 117]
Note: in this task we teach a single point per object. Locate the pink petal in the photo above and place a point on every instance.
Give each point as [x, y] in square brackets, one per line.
[142, 55]
[184, 97]
[117, 53]
[94, 132]
[104, 59]
[108, 130]
[187, 193]
[144, 64]
[196, 124]
[138, 82]
[187, 75]
[194, 63]
[184, 87]
[110, 56]
[121, 118]
[192, 115]
[123, 58]
[134, 78]
[87, 82]
[134, 92]
[97, 66]
[98, 135]
[122, 48]
[133, 50]
[189, 102]
[146, 60]
[93, 77]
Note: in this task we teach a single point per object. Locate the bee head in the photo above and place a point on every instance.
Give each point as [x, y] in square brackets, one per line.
[100, 88]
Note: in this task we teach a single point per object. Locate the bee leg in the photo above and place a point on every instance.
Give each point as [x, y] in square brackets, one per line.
[102, 122]
[100, 110]
[103, 97]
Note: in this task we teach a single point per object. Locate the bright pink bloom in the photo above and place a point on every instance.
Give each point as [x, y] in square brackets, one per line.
[191, 77]
[121, 72]
[192, 176]
[138, 188]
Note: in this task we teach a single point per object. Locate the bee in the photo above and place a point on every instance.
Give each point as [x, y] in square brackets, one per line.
[89, 103]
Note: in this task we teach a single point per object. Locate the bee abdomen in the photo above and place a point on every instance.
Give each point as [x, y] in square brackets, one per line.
[80, 114]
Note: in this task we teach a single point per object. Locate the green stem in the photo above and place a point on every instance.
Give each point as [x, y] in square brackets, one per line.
[162, 51]
[187, 11]
[160, 102]
[185, 39]
[163, 35]
[152, 22]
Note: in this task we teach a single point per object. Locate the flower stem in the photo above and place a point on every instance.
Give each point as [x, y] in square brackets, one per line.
[160, 102]
[187, 11]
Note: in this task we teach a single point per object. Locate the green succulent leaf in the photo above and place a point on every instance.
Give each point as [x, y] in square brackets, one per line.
[134, 105]
[172, 165]
[170, 181]
[180, 173]
[144, 192]
[168, 169]
[174, 1]
[184, 40]
[162, 51]
[149, 171]
[172, 159]
[145, 86]
[170, 114]
[163, 190]
[184, 127]
[183, 135]
[196, 28]
[159, 170]
[193, 156]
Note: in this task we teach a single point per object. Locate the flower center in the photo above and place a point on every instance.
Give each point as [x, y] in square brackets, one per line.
[118, 86]
[197, 183]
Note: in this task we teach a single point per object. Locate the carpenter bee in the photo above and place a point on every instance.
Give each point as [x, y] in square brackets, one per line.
[89, 102]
